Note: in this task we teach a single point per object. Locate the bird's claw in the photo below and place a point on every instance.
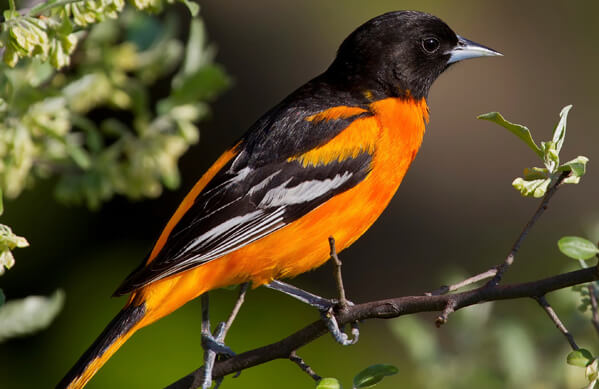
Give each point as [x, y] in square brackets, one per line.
[340, 337]
[213, 346]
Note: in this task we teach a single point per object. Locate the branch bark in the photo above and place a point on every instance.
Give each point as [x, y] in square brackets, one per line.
[386, 309]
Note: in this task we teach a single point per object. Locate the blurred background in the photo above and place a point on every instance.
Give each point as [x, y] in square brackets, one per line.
[455, 214]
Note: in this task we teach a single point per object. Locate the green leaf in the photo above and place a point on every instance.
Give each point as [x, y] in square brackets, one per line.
[550, 156]
[520, 131]
[2, 298]
[204, 84]
[1, 202]
[577, 248]
[28, 315]
[79, 155]
[535, 173]
[8, 242]
[535, 188]
[193, 7]
[328, 383]
[581, 358]
[559, 134]
[373, 375]
[578, 167]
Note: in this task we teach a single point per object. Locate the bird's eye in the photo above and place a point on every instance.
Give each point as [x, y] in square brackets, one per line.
[430, 45]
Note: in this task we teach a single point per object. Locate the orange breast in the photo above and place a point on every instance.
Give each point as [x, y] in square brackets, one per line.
[396, 132]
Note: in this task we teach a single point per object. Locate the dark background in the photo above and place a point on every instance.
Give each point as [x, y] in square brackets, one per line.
[455, 209]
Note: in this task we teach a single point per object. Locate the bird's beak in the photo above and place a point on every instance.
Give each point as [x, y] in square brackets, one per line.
[467, 49]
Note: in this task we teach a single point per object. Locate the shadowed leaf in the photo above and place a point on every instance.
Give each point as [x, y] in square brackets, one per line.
[577, 248]
[28, 315]
[373, 375]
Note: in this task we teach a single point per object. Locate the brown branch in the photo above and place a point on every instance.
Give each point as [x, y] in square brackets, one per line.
[338, 278]
[516, 246]
[462, 284]
[293, 357]
[497, 271]
[386, 309]
[556, 320]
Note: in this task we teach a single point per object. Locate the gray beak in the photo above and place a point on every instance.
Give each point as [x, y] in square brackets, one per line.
[466, 49]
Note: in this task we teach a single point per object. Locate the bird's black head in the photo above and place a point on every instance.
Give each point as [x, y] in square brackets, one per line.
[400, 54]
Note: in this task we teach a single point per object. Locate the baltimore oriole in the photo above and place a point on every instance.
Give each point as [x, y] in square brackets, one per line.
[323, 162]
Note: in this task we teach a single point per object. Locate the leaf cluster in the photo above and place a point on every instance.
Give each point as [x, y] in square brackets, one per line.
[536, 180]
[47, 124]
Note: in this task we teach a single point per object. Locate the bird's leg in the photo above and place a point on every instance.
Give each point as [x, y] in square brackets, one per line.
[325, 306]
[213, 343]
[343, 302]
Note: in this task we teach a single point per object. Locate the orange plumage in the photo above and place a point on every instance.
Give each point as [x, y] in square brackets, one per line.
[324, 162]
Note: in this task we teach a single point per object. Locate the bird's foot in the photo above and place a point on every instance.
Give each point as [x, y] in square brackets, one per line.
[214, 346]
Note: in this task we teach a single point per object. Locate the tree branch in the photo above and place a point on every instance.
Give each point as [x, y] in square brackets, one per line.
[390, 308]
[516, 246]
[556, 320]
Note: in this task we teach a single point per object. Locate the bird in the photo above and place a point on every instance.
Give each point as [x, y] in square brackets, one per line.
[324, 162]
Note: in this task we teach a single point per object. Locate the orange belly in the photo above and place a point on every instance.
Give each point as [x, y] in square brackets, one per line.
[396, 130]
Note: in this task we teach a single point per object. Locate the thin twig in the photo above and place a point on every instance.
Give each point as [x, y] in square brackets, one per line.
[516, 246]
[462, 284]
[556, 320]
[390, 308]
[240, 299]
[448, 310]
[304, 366]
[338, 278]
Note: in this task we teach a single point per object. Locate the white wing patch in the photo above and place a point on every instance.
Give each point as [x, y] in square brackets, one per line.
[301, 193]
[215, 232]
[241, 230]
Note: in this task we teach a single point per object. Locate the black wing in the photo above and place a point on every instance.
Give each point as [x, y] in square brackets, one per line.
[258, 192]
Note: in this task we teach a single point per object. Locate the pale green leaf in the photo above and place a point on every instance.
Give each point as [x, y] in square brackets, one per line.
[550, 156]
[373, 375]
[520, 131]
[28, 315]
[328, 383]
[559, 134]
[577, 166]
[577, 248]
[1, 202]
[7, 260]
[535, 188]
[535, 173]
[581, 358]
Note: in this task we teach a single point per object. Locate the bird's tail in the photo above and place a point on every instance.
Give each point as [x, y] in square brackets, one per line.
[109, 341]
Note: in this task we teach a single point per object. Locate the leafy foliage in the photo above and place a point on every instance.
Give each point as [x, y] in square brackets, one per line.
[96, 126]
[28, 315]
[480, 348]
[48, 131]
[49, 31]
[367, 378]
[536, 180]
